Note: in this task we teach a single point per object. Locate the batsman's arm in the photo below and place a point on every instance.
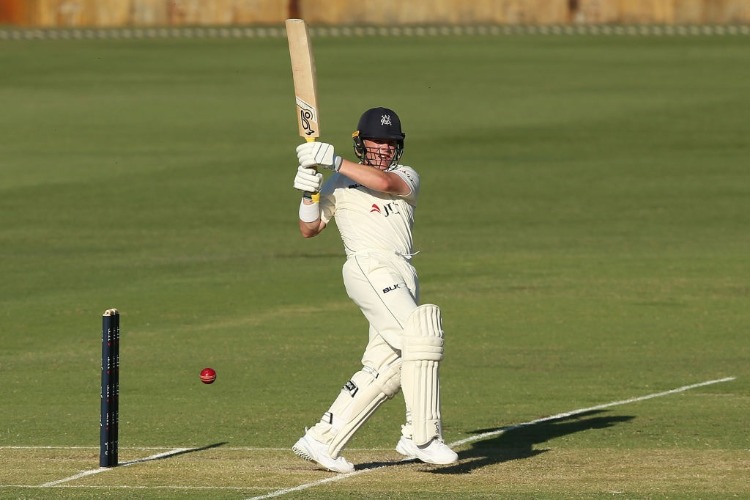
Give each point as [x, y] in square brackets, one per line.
[310, 223]
[323, 155]
[374, 178]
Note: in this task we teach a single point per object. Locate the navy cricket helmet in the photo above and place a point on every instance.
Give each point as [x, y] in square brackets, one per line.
[379, 124]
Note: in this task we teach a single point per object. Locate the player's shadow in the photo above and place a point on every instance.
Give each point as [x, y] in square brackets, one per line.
[517, 442]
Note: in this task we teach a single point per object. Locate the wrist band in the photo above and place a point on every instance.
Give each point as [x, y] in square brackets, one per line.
[309, 213]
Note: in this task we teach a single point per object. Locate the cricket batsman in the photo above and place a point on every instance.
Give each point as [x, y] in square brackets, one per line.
[373, 201]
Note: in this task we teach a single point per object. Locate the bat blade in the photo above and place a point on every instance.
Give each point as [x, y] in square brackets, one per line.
[305, 82]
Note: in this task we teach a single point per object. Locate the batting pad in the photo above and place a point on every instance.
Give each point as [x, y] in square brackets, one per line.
[356, 403]
[420, 379]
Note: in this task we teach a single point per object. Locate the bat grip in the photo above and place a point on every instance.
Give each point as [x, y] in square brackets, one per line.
[315, 197]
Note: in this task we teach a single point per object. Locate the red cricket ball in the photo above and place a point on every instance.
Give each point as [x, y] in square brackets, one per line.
[208, 375]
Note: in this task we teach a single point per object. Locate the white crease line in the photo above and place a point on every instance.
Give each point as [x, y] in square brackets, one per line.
[486, 435]
[559, 416]
[138, 487]
[331, 479]
[55, 448]
[73, 478]
[123, 464]
[146, 448]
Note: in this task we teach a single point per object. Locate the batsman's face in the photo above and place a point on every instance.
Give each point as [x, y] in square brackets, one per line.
[379, 153]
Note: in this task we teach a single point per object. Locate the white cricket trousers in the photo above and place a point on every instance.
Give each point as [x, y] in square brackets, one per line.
[385, 287]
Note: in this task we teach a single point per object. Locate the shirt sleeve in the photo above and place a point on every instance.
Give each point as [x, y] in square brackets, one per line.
[411, 178]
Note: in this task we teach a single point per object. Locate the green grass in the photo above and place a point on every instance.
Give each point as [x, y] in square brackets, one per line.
[583, 225]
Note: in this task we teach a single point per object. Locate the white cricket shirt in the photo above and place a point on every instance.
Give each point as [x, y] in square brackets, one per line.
[369, 220]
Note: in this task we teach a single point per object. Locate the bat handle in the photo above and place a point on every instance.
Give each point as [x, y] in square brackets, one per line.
[314, 196]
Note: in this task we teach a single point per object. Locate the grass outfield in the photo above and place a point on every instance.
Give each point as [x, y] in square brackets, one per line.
[584, 225]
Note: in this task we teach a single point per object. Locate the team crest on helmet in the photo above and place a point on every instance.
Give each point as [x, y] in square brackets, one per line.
[385, 120]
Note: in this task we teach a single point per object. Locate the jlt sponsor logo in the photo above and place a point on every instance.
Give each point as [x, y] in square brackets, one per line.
[388, 209]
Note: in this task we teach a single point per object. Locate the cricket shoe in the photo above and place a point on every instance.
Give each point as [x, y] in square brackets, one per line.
[434, 452]
[311, 449]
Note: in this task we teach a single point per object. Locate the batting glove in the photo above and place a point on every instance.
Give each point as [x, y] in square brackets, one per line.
[308, 180]
[320, 154]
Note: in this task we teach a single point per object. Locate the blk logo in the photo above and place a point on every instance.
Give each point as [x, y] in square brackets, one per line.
[391, 288]
[351, 388]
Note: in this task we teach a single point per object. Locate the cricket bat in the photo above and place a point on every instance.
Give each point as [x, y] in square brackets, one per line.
[305, 82]
[303, 72]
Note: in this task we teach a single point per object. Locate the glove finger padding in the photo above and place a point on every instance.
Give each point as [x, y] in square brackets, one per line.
[307, 179]
[307, 161]
[318, 153]
[306, 149]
